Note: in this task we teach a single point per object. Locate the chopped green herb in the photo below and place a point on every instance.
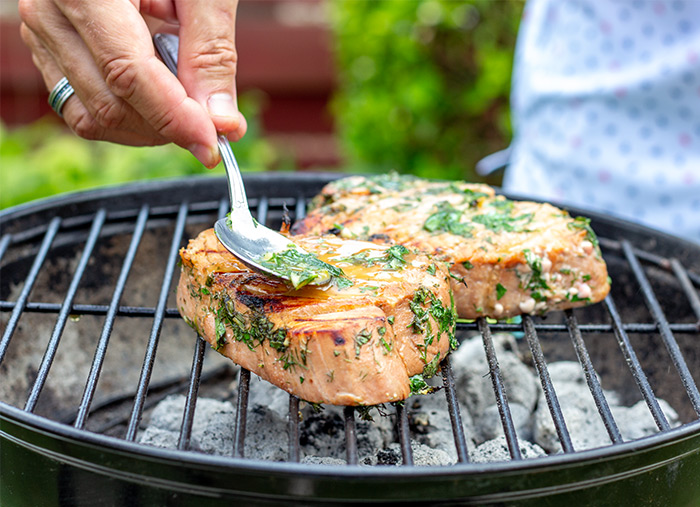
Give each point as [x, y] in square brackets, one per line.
[460, 279]
[251, 327]
[585, 224]
[500, 222]
[301, 380]
[502, 204]
[467, 265]
[443, 316]
[220, 329]
[537, 296]
[316, 408]
[394, 256]
[363, 412]
[536, 281]
[446, 218]
[404, 206]
[390, 319]
[302, 268]
[500, 291]
[432, 269]
[575, 299]
[361, 339]
[432, 367]
[419, 386]
[387, 345]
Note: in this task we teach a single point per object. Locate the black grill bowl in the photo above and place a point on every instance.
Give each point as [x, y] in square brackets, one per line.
[644, 341]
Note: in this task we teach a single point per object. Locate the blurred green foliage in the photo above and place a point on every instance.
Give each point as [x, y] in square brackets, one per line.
[45, 158]
[424, 86]
[423, 89]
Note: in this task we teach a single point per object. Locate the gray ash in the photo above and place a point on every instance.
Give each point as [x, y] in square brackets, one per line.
[322, 433]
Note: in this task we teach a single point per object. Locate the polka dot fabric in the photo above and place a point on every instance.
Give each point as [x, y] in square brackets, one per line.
[606, 109]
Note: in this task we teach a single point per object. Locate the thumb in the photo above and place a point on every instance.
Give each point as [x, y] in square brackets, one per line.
[208, 61]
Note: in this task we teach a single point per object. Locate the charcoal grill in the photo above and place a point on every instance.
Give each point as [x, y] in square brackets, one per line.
[98, 269]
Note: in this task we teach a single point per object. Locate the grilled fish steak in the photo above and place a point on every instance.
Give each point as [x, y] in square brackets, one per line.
[506, 257]
[356, 341]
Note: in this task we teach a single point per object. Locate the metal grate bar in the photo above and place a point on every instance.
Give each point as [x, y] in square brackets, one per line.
[350, 435]
[192, 390]
[549, 392]
[300, 208]
[150, 357]
[63, 315]
[88, 309]
[592, 378]
[101, 349]
[4, 243]
[448, 382]
[499, 390]
[687, 287]
[29, 282]
[173, 313]
[223, 208]
[78, 222]
[293, 429]
[241, 413]
[263, 207]
[635, 367]
[666, 334]
[694, 277]
[636, 327]
[650, 257]
[404, 433]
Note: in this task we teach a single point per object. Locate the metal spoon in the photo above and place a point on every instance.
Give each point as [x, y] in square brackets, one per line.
[254, 244]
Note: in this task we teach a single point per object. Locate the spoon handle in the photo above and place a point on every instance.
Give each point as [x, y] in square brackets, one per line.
[239, 201]
[167, 46]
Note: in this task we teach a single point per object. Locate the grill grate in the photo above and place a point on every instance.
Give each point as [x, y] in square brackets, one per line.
[88, 228]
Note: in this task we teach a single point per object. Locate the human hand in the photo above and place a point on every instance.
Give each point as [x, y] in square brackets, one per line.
[123, 92]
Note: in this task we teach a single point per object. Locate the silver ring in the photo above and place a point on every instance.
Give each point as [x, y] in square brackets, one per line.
[59, 95]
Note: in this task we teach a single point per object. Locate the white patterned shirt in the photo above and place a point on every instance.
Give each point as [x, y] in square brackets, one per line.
[606, 109]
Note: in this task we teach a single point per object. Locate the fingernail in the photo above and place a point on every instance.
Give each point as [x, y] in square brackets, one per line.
[222, 104]
[204, 154]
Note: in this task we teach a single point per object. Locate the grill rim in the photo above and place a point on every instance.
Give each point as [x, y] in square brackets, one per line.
[181, 459]
[175, 458]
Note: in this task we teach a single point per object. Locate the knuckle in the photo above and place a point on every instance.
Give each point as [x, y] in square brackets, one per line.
[218, 56]
[163, 122]
[86, 126]
[121, 76]
[107, 112]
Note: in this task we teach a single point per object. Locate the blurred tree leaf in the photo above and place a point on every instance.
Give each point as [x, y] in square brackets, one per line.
[424, 85]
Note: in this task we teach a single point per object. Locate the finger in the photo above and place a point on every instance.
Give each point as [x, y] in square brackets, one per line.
[93, 112]
[75, 114]
[121, 46]
[208, 60]
[160, 9]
